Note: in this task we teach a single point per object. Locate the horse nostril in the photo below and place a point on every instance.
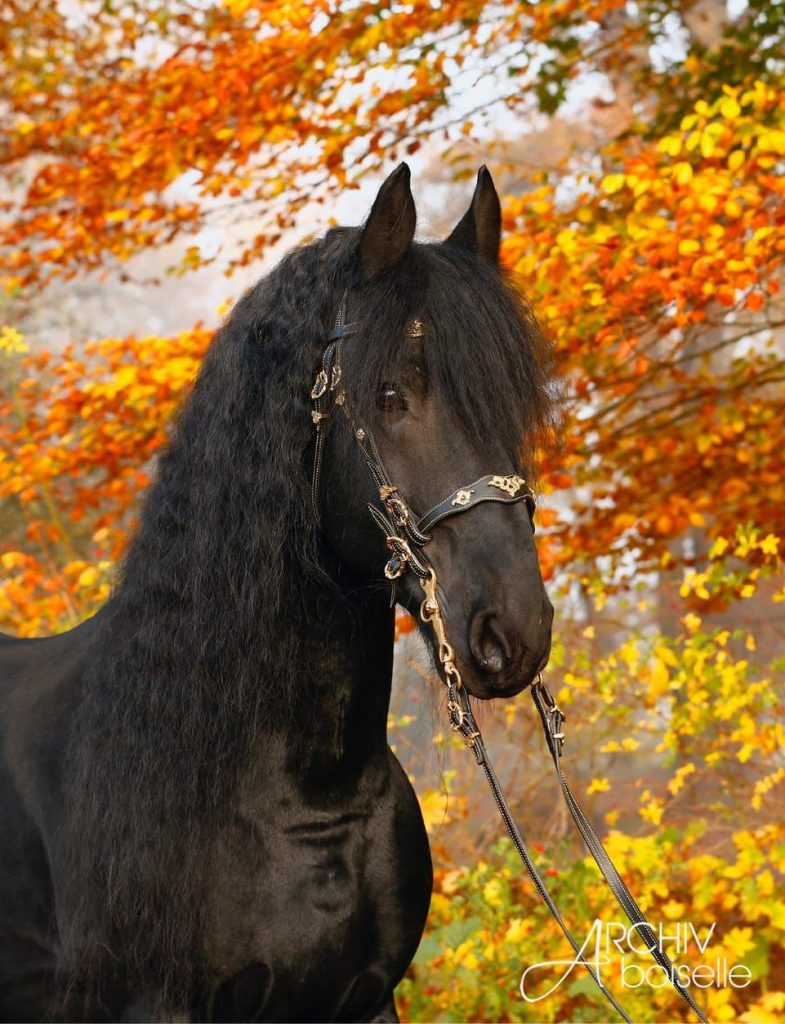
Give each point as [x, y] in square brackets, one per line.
[489, 647]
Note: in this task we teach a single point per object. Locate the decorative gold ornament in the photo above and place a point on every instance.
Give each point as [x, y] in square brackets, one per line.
[509, 484]
[417, 329]
[319, 386]
[462, 498]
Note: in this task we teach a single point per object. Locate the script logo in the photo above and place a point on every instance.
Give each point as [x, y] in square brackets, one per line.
[627, 941]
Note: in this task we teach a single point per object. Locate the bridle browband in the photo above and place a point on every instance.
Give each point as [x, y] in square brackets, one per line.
[406, 535]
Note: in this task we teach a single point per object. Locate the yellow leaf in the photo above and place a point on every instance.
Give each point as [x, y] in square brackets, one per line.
[765, 883]
[12, 342]
[673, 910]
[517, 930]
[703, 443]
[492, 892]
[688, 246]
[660, 677]
[124, 377]
[729, 108]
[433, 805]
[12, 560]
[666, 654]
[653, 812]
[682, 173]
[707, 145]
[739, 941]
[87, 577]
[769, 544]
[613, 183]
[718, 548]
[671, 145]
[598, 786]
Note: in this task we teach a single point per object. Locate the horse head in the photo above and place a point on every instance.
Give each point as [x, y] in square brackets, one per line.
[442, 378]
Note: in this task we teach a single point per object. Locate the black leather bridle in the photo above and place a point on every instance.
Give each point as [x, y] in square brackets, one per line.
[406, 536]
[405, 532]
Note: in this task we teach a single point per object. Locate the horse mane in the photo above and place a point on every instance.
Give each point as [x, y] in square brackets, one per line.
[197, 647]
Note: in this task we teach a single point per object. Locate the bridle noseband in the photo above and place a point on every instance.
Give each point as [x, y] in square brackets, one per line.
[406, 536]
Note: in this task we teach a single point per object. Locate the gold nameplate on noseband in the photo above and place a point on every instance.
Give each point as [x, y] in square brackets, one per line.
[510, 484]
[462, 498]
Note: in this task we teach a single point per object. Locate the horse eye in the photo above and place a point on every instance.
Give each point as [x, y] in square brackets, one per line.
[390, 398]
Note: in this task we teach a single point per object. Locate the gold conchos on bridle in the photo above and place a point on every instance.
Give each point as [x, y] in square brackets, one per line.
[509, 484]
[462, 498]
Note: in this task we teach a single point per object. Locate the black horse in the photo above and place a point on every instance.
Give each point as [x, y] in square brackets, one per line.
[200, 816]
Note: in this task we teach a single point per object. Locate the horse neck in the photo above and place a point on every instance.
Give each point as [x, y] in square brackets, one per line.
[346, 658]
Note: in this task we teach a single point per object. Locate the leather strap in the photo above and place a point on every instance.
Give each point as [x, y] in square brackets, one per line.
[517, 839]
[463, 721]
[507, 489]
[553, 724]
[321, 396]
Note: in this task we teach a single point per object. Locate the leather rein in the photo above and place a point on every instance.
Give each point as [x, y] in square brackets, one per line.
[406, 535]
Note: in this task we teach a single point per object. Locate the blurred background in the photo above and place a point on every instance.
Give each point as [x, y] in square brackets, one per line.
[158, 158]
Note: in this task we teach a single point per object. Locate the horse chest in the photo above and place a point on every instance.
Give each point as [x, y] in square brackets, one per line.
[318, 912]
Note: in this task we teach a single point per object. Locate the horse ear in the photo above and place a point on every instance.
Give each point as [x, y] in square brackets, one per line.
[389, 230]
[480, 228]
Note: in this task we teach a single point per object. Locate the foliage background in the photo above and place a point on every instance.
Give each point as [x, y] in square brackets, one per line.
[150, 149]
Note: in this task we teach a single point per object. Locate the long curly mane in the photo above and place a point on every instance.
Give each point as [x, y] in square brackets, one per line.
[199, 642]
